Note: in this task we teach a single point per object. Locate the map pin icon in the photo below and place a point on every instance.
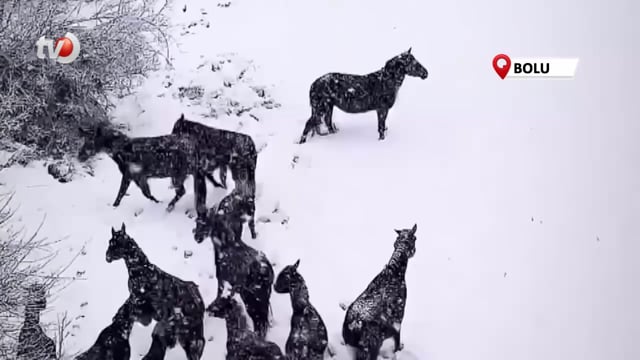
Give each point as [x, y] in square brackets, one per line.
[504, 70]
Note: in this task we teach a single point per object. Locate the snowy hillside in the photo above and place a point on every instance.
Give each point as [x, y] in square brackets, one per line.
[525, 193]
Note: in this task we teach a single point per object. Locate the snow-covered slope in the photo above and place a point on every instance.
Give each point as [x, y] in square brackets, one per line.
[525, 192]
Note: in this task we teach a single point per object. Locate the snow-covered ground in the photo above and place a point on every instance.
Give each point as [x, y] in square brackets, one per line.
[525, 193]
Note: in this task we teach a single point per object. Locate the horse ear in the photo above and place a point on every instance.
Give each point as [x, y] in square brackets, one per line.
[181, 117]
[295, 266]
[414, 229]
[122, 228]
[113, 231]
[409, 51]
[399, 232]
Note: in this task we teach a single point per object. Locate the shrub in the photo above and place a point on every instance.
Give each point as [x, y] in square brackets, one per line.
[42, 102]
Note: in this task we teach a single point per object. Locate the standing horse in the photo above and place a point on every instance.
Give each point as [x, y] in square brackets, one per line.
[360, 93]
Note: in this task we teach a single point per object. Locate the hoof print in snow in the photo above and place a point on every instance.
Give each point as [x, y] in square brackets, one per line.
[343, 306]
[138, 212]
[295, 161]
[284, 221]
[83, 304]
[224, 5]
[505, 275]
[211, 276]
[79, 273]
[256, 119]
[263, 219]
[190, 92]
[260, 91]
[83, 251]
[174, 248]
[187, 254]
[210, 339]
[184, 9]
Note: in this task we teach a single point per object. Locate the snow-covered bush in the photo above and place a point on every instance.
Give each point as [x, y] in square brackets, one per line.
[43, 102]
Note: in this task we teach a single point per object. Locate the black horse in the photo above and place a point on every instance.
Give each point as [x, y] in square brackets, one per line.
[360, 93]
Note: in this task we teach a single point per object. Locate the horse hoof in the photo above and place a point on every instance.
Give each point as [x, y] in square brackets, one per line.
[170, 208]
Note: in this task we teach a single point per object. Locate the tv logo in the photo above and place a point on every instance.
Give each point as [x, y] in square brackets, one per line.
[65, 49]
[527, 68]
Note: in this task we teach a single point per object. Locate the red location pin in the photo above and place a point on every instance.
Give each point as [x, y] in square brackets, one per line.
[504, 70]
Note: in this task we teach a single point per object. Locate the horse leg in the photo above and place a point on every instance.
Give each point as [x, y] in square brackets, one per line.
[223, 175]
[308, 127]
[160, 341]
[252, 201]
[252, 227]
[193, 342]
[322, 116]
[312, 125]
[328, 120]
[124, 185]
[257, 305]
[200, 191]
[209, 309]
[178, 184]
[382, 118]
[144, 187]
[213, 180]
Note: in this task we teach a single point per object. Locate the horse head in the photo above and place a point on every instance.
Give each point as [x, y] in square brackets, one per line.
[121, 245]
[407, 64]
[407, 240]
[96, 140]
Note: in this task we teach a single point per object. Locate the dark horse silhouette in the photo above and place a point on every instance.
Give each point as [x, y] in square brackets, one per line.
[360, 93]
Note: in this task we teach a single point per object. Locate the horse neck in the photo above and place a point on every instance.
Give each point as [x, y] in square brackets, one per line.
[137, 261]
[397, 78]
[123, 319]
[229, 241]
[117, 142]
[399, 260]
[299, 295]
